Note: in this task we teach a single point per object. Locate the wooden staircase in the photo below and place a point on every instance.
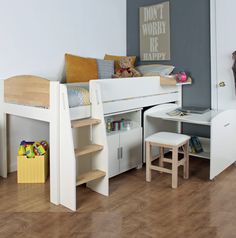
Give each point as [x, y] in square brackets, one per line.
[88, 149]
[82, 163]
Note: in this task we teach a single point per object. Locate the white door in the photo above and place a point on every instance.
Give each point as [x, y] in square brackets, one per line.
[113, 142]
[223, 44]
[131, 149]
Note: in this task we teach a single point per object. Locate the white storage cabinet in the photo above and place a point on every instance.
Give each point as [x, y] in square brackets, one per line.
[125, 146]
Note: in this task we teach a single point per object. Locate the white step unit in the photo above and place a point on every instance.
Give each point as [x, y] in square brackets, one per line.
[99, 160]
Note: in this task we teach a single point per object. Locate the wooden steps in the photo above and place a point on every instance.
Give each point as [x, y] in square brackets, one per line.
[89, 176]
[85, 122]
[88, 149]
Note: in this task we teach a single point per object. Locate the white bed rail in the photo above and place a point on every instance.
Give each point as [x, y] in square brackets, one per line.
[125, 88]
[129, 93]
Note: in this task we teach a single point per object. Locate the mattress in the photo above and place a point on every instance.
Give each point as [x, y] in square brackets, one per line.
[78, 96]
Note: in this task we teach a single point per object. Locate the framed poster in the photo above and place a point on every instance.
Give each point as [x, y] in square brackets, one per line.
[155, 32]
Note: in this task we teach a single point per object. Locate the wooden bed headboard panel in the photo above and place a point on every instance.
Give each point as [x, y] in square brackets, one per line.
[27, 90]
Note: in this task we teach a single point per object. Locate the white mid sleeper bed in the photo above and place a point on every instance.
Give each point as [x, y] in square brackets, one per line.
[41, 99]
[107, 97]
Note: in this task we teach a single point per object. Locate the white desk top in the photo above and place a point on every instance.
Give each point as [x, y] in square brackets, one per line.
[201, 119]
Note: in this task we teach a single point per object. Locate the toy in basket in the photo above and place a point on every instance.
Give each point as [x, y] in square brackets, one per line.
[32, 162]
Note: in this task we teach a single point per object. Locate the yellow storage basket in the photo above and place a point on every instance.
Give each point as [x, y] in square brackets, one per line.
[32, 170]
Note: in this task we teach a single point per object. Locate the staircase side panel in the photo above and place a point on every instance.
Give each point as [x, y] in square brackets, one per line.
[67, 155]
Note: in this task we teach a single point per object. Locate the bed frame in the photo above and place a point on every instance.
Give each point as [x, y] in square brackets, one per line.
[108, 96]
[35, 98]
[40, 99]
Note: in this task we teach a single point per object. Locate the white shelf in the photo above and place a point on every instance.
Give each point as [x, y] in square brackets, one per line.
[205, 155]
[133, 118]
[205, 142]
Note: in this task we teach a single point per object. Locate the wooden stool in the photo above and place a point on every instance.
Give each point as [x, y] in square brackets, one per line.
[168, 140]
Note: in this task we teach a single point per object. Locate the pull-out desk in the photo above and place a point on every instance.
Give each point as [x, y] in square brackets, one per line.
[220, 148]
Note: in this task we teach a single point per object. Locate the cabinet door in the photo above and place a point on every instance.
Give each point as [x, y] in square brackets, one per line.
[131, 144]
[113, 142]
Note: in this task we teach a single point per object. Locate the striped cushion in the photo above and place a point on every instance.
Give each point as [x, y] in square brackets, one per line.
[105, 68]
[77, 96]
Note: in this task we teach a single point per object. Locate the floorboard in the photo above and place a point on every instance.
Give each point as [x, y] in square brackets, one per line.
[135, 208]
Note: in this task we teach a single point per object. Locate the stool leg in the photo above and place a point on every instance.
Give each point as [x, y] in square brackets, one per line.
[148, 162]
[186, 161]
[161, 164]
[175, 167]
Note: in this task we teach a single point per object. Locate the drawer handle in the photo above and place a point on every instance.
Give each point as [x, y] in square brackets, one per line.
[119, 153]
[227, 124]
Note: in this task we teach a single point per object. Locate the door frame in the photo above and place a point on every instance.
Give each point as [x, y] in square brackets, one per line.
[213, 43]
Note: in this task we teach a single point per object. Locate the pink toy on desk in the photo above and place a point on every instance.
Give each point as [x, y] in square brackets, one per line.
[181, 77]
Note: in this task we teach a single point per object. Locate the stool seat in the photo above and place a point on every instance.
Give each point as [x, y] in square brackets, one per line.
[168, 138]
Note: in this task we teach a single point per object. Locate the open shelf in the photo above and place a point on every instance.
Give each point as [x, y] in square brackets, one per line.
[126, 121]
[205, 142]
[89, 176]
[171, 81]
[123, 130]
[205, 155]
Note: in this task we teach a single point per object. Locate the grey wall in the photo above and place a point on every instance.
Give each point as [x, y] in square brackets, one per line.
[190, 47]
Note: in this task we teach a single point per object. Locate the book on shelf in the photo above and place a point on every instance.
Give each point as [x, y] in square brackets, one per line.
[195, 145]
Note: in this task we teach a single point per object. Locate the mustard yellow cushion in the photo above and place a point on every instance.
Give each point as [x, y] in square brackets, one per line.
[80, 69]
[117, 58]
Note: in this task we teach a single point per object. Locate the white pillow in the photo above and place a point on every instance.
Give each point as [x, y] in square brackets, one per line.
[155, 69]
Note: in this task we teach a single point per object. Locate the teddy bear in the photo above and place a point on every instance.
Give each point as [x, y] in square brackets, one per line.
[126, 69]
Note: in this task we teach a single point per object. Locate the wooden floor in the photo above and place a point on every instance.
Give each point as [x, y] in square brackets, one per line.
[135, 208]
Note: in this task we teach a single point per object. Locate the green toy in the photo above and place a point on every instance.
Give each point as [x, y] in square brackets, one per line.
[39, 149]
[29, 151]
[21, 150]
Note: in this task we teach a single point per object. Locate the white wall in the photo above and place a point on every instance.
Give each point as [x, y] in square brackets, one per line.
[35, 35]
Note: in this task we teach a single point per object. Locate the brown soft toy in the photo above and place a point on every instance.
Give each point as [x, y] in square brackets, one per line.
[126, 70]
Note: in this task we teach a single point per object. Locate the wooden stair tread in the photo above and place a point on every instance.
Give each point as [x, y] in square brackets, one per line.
[90, 176]
[88, 149]
[85, 122]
